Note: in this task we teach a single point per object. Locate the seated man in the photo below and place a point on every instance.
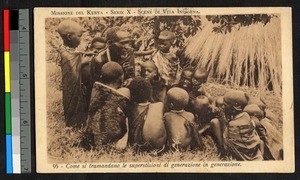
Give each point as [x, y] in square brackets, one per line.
[108, 108]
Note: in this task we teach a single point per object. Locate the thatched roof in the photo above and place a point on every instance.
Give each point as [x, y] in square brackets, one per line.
[249, 55]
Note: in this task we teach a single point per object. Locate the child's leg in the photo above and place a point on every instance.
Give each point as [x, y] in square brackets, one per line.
[217, 130]
[262, 147]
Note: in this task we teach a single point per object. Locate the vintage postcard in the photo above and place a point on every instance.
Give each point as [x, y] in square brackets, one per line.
[164, 90]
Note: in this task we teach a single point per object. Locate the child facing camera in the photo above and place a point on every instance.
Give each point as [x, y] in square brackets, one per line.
[186, 79]
[167, 62]
[149, 72]
[180, 124]
[199, 78]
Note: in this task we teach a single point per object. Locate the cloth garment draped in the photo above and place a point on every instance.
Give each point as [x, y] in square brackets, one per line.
[74, 91]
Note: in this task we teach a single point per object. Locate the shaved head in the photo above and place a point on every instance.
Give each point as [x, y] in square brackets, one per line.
[167, 35]
[149, 70]
[111, 72]
[178, 97]
[199, 77]
[201, 104]
[254, 110]
[71, 32]
[149, 64]
[68, 27]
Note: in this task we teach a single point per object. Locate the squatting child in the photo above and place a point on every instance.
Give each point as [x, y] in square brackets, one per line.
[181, 127]
[109, 107]
[146, 127]
[240, 137]
[271, 145]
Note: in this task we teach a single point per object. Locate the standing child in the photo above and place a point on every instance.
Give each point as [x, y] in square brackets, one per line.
[146, 127]
[240, 137]
[74, 91]
[149, 72]
[167, 62]
[181, 128]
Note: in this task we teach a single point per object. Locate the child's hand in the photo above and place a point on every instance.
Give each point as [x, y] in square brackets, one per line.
[128, 68]
[86, 59]
[127, 82]
[214, 109]
[201, 91]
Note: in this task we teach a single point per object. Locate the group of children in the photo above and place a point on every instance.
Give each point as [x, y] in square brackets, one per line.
[166, 107]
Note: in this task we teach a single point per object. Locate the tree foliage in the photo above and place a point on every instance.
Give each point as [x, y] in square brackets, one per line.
[225, 23]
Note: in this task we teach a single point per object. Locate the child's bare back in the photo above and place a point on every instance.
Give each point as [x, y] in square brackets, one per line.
[179, 132]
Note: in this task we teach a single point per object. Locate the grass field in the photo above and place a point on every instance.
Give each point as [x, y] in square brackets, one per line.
[62, 141]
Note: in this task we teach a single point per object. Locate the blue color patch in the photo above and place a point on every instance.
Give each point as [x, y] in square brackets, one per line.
[9, 165]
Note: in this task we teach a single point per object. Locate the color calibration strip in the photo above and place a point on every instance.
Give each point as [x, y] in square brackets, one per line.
[17, 91]
[8, 129]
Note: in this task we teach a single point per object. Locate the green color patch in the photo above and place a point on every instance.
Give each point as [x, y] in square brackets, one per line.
[7, 113]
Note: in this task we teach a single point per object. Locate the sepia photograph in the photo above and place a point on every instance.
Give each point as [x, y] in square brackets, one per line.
[164, 90]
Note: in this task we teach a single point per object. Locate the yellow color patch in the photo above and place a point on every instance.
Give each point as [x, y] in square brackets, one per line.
[7, 71]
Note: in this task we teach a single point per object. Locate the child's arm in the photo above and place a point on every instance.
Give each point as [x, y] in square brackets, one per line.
[86, 58]
[144, 53]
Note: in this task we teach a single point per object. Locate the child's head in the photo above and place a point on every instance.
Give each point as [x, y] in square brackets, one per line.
[149, 70]
[220, 102]
[140, 90]
[199, 77]
[112, 73]
[235, 101]
[186, 78]
[254, 110]
[71, 32]
[165, 41]
[177, 98]
[201, 104]
[98, 43]
[258, 101]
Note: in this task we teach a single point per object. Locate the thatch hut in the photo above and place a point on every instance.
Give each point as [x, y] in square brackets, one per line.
[249, 55]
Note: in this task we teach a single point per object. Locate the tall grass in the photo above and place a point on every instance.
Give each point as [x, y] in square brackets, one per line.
[248, 55]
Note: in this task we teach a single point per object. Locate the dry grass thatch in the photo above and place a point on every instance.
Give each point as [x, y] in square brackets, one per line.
[248, 55]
